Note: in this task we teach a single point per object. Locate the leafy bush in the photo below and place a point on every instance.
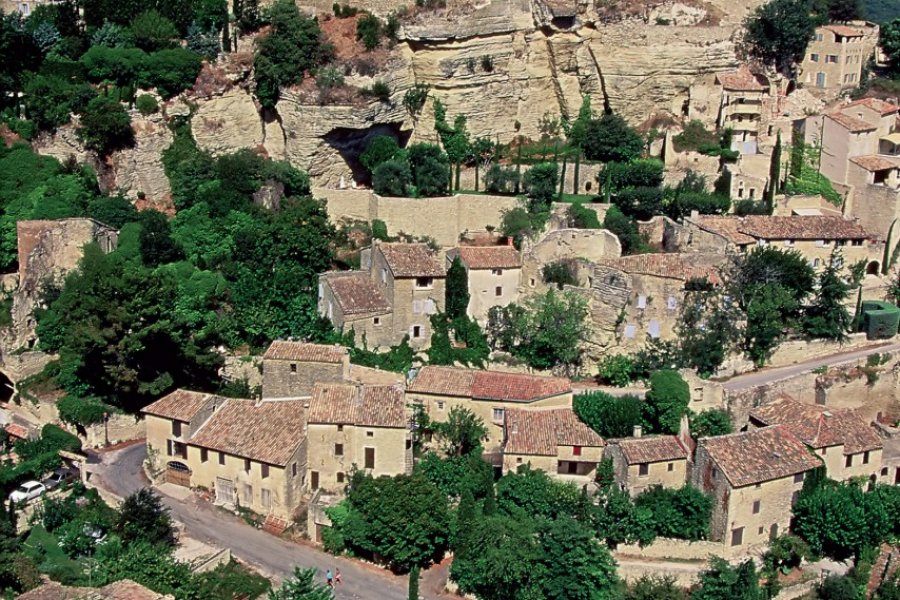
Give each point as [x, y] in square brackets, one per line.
[682, 514]
[712, 422]
[561, 273]
[785, 553]
[152, 31]
[430, 169]
[516, 225]
[391, 178]
[329, 77]
[694, 136]
[616, 369]
[146, 104]
[610, 416]
[625, 228]
[541, 184]
[582, 218]
[379, 230]
[666, 401]
[641, 173]
[501, 180]
[379, 90]
[415, 97]
[379, 149]
[170, 71]
[368, 29]
[82, 411]
[610, 139]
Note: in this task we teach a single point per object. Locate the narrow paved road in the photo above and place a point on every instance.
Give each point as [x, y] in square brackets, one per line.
[120, 472]
[765, 376]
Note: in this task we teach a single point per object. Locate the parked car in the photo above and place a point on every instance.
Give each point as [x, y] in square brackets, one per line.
[59, 477]
[28, 491]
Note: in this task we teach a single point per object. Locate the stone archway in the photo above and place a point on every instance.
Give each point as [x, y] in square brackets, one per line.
[872, 268]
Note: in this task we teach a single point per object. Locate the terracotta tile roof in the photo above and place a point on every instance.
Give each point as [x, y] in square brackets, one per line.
[818, 426]
[267, 432]
[356, 293]
[650, 449]
[412, 260]
[181, 405]
[843, 30]
[488, 385]
[539, 432]
[741, 80]
[873, 162]
[885, 567]
[876, 104]
[671, 265]
[802, 227]
[304, 352]
[761, 455]
[852, 124]
[363, 405]
[490, 257]
[727, 227]
[17, 431]
[124, 589]
[54, 591]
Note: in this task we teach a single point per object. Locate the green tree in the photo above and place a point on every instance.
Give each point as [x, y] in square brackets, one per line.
[707, 327]
[105, 126]
[779, 31]
[827, 316]
[457, 286]
[560, 273]
[143, 518]
[50, 100]
[838, 587]
[430, 169]
[610, 416]
[391, 178]
[785, 553]
[683, 513]
[625, 228]
[768, 310]
[170, 71]
[845, 10]
[774, 174]
[711, 422]
[413, 583]
[721, 581]
[610, 139]
[541, 182]
[889, 40]
[582, 218]
[152, 31]
[302, 586]
[156, 243]
[588, 570]
[516, 225]
[380, 149]
[618, 521]
[462, 432]
[666, 402]
[638, 173]
[368, 29]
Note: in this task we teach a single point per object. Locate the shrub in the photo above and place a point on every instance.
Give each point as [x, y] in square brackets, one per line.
[561, 273]
[626, 229]
[380, 149]
[430, 169]
[152, 31]
[105, 126]
[487, 63]
[646, 172]
[616, 369]
[329, 78]
[667, 401]
[609, 139]
[415, 97]
[379, 90]
[610, 416]
[82, 411]
[582, 218]
[501, 180]
[170, 71]
[391, 178]
[146, 104]
[541, 183]
[368, 29]
[785, 553]
[714, 421]
[682, 514]
[694, 137]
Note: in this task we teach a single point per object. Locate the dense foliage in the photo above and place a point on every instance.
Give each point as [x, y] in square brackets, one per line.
[610, 416]
[779, 31]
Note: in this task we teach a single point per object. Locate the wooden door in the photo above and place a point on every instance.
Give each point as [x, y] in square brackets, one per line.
[178, 474]
[370, 458]
[224, 490]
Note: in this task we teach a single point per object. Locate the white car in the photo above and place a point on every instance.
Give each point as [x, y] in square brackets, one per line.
[28, 491]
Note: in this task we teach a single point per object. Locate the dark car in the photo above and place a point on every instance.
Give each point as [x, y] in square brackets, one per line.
[59, 477]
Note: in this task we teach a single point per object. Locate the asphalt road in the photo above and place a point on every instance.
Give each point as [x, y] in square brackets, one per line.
[120, 472]
[765, 376]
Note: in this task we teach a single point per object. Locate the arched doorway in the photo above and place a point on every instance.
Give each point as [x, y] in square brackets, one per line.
[178, 473]
[872, 268]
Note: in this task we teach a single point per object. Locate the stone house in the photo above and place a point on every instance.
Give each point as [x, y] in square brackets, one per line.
[250, 454]
[848, 446]
[124, 589]
[494, 274]
[399, 287]
[641, 462]
[553, 440]
[744, 107]
[815, 236]
[488, 394]
[754, 478]
[291, 369]
[364, 427]
[836, 56]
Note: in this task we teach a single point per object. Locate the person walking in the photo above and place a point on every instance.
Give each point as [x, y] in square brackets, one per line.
[329, 578]
[337, 577]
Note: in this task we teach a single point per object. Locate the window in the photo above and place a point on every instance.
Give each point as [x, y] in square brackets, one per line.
[737, 536]
[653, 329]
[417, 331]
[384, 276]
[176, 428]
[496, 271]
[630, 331]
[204, 455]
[518, 460]
[168, 447]
[424, 282]
[814, 57]
[819, 37]
[798, 478]
[221, 458]
[498, 291]
[247, 494]
[831, 58]
[370, 458]
[293, 469]
[576, 450]
[247, 465]
[642, 302]
[715, 473]
[370, 434]
[265, 498]
[440, 405]
[671, 303]
[531, 282]
[643, 469]
[821, 243]
[760, 530]
[866, 457]
[340, 478]
[670, 467]
[376, 321]
[340, 428]
[314, 480]
[857, 242]
[338, 449]
[417, 307]
[293, 368]
[816, 263]
[497, 415]
[756, 507]
[321, 291]
[264, 471]
[849, 462]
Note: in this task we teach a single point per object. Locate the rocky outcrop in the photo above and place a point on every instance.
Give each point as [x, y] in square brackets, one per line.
[226, 123]
[139, 169]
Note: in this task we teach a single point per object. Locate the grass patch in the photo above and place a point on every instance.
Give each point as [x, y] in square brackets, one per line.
[232, 580]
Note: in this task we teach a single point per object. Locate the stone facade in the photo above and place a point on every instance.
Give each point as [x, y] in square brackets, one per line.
[287, 378]
[836, 56]
[494, 275]
[642, 462]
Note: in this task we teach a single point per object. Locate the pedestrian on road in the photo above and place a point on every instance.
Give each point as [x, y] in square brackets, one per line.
[329, 579]
[337, 577]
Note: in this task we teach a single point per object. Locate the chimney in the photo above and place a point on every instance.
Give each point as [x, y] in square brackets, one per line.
[695, 214]
[827, 414]
[638, 430]
[509, 240]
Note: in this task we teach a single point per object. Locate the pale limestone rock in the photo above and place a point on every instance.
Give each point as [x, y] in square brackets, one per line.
[63, 144]
[139, 168]
[226, 123]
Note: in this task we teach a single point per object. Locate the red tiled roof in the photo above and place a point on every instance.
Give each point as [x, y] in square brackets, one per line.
[267, 432]
[760, 455]
[818, 426]
[17, 431]
[181, 405]
[852, 124]
[356, 293]
[873, 162]
[802, 227]
[124, 589]
[843, 30]
[886, 565]
[539, 432]
[304, 352]
[741, 80]
[876, 104]
[363, 405]
[727, 227]
[671, 265]
[488, 385]
[411, 260]
[490, 257]
[651, 449]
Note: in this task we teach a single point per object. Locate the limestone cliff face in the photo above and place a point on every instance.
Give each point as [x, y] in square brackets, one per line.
[139, 169]
[226, 123]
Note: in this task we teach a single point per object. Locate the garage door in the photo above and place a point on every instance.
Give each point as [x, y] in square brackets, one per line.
[224, 491]
[178, 473]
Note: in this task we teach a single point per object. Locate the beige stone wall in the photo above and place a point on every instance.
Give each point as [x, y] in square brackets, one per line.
[876, 207]
[483, 288]
[295, 379]
[375, 330]
[438, 409]
[390, 445]
[669, 474]
[864, 465]
[839, 145]
[558, 466]
[119, 428]
[845, 72]
[668, 549]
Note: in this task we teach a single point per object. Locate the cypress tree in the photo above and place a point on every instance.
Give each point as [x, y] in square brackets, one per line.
[518, 168]
[490, 503]
[886, 258]
[457, 289]
[476, 174]
[562, 177]
[774, 174]
[575, 185]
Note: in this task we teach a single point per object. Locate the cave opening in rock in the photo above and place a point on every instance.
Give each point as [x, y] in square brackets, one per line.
[351, 143]
[6, 388]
